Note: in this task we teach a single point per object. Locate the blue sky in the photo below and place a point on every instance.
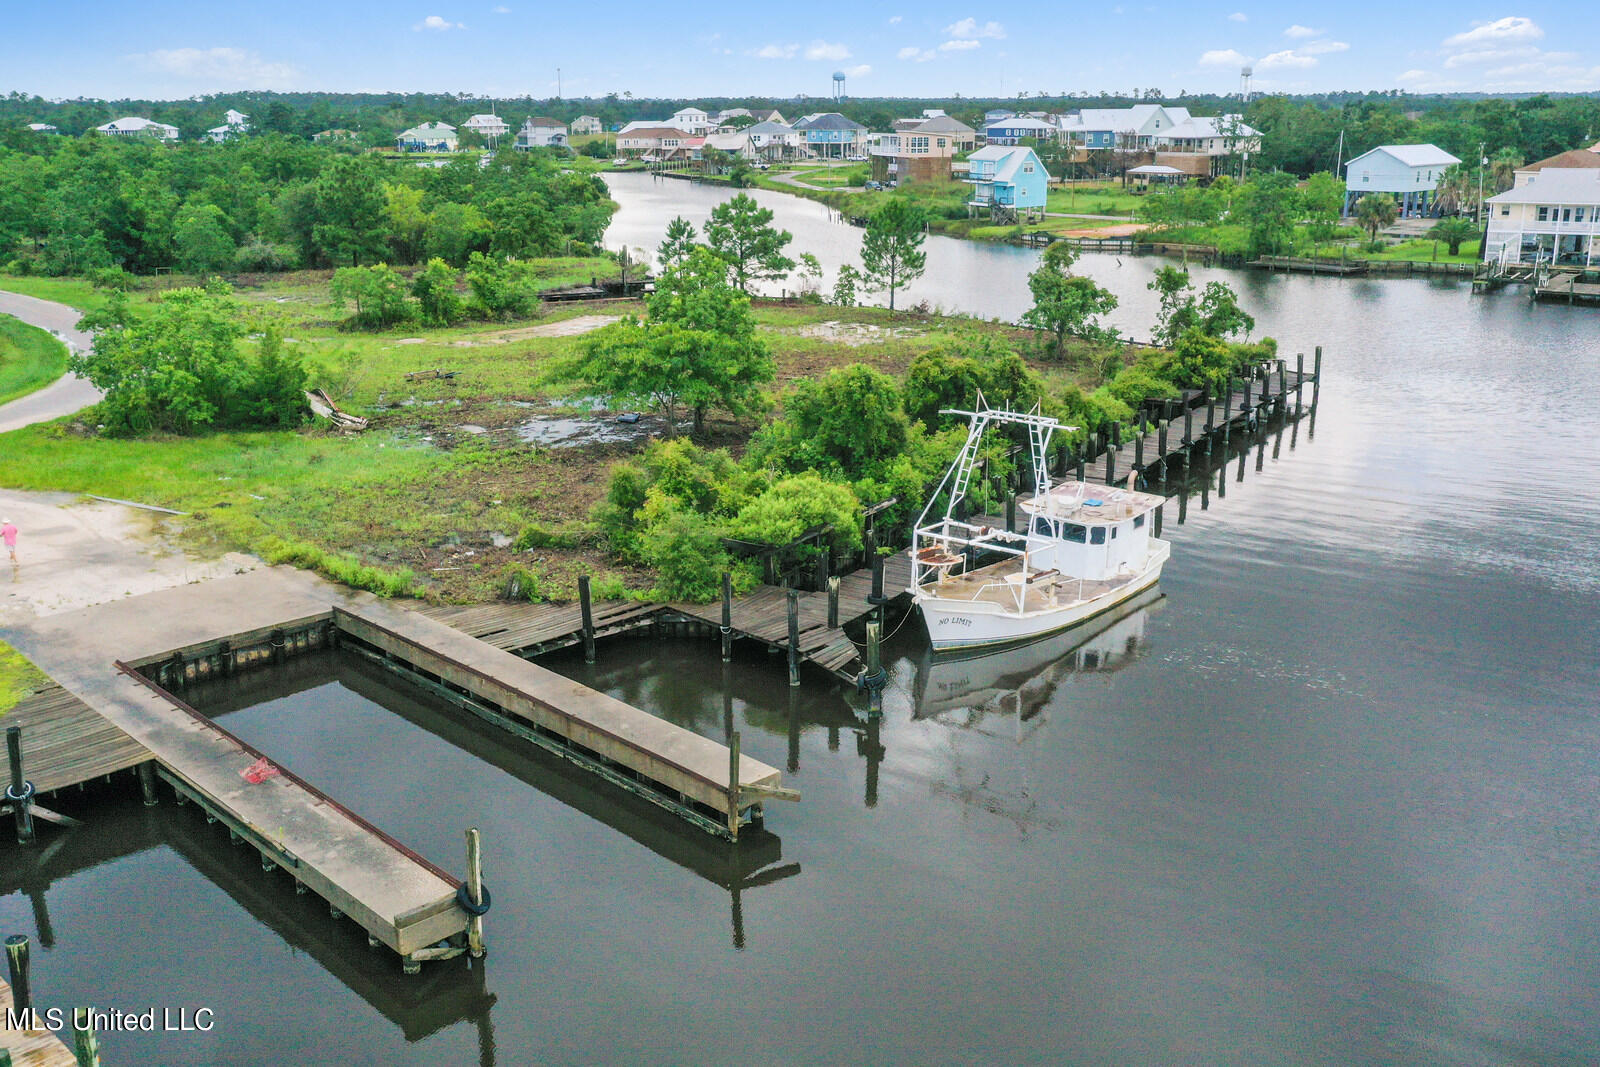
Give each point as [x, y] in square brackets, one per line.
[164, 48]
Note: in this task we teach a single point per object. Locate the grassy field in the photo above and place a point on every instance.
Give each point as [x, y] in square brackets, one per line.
[18, 677]
[442, 485]
[1093, 198]
[29, 358]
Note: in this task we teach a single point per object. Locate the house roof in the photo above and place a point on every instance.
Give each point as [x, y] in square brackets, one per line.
[1155, 170]
[1577, 158]
[1557, 185]
[768, 129]
[656, 132]
[428, 129]
[728, 142]
[830, 120]
[544, 123]
[1018, 123]
[41, 127]
[1008, 160]
[133, 123]
[944, 124]
[485, 120]
[1412, 155]
[1209, 126]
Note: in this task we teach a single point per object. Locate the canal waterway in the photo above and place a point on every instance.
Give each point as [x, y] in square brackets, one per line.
[1333, 797]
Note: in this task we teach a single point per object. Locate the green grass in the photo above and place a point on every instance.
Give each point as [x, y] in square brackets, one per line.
[1093, 198]
[1417, 250]
[73, 292]
[18, 677]
[29, 358]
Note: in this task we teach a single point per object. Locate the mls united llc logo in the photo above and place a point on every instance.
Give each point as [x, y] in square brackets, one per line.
[112, 1020]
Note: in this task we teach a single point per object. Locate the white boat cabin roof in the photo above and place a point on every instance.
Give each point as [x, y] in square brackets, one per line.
[1091, 505]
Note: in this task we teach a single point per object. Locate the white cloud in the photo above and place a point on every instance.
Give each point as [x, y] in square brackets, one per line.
[1238, 16]
[894, 20]
[776, 51]
[436, 22]
[1322, 48]
[859, 71]
[824, 50]
[1297, 31]
[1286, 59]
[220, 67]
[959, 46]
[1491, 55]
[1223, 57]
[502, 10]
[1510, 28]
[920, 55]
[969, 28]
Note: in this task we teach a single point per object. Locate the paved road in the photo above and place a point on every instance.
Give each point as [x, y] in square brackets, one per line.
[66, 394]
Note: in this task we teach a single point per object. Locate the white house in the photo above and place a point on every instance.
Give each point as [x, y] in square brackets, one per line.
[134, 126]
[775, 140]
[42, 127]
[650, 141]
[429, 137]
[490, 127]
[1408, 172]
[584, 126]
[691, 120]
[1128, 128]
[1551, 215]
[737, 143]
[542, 132]
[236, 124]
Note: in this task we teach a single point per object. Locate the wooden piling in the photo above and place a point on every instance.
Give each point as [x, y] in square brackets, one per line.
[1283, 386]
[733, 785]
[794, 636]
[588, 618]
[1316, 378]
[1080, 467]
[876, 596]
[1299, 383]
[85, 1046]
[1246, 408]
[20, 791]
[147, 783]
[833, 602]
[475, 892]
[823, 561]
[1011, 512]
[17, 953]
[1188, 428]
[1138, 453]
[727, 616]
[874, 676]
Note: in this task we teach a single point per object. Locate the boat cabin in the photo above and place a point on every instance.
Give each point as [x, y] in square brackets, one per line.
[1089, 531]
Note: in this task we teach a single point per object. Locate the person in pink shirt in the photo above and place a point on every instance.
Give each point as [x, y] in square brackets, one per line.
[8, 533]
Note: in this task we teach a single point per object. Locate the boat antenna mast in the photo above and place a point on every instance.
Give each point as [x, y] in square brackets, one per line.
[959, 476]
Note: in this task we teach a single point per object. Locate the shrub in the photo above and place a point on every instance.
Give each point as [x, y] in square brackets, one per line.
[794, 505]
[523, 583]
[258, 256]
[686, 552]
[340, 568]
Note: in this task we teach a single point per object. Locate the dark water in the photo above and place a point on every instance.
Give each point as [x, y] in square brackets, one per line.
[1333, 798]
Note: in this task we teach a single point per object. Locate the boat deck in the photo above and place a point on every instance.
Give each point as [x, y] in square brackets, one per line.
[993, 585]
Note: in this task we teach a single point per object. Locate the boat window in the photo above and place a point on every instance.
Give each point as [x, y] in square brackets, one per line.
[1041, 526]
[1073, 532]
[1138, 521]
[1097, 536]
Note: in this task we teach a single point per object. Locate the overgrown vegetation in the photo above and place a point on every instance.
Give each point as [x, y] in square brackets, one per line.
[18, 677]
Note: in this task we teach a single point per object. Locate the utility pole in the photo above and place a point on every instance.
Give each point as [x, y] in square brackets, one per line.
[1483, 161]
[558, 83]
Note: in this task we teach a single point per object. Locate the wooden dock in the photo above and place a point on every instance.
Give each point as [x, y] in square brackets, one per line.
[67, 742]
[31, 1048]
[1569, 287]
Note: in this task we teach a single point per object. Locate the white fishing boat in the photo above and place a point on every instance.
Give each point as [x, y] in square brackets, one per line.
[1086, 549]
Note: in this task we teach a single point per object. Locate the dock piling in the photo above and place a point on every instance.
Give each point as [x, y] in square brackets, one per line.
[1138, 454]
[1080, 466]
[877, 597]
[1299, 383]
[85, 1046]
[17, 951]
[833, 602]
[588, 618]
[733, 785]
[147, 784]
[1111, 466]
[727, 616]
[1011, 512]
[475, 892]
[793, 609]
[20, 791]
[1316, 378]
[874, 676]
[1211, 419]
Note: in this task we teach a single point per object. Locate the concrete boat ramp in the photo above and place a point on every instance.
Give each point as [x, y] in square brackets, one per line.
[127, 661]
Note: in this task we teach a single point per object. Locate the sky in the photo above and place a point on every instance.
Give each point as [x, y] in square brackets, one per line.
[166, 49]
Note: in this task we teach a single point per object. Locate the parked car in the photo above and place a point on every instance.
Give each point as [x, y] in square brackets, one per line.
[873, 187]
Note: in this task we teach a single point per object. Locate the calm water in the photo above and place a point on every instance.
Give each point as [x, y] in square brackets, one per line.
[1334, 797]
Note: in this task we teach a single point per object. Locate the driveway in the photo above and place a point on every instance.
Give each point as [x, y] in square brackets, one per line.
[66, 394]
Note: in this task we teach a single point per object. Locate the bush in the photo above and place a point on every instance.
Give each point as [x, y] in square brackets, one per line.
[377, 292]
[501, 288]
[261, 257]
[1136, 384]
[687, 553]
[795, 505]
[534, 535]
[523, 583]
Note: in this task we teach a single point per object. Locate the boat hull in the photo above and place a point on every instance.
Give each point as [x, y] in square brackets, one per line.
[965, 624]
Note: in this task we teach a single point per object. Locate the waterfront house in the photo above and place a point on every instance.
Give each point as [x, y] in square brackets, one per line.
[691, 120]
[774, 140]
[42, 127]
[650, 142]
[1202, 147]
[1408, 172]
[1008, 182]
[1578, 158]
[920, 152]
[584, 126]
[1014, 130]
[133, 126]
[326, 136]
[1127, 129]
[738, 143]
[1551, 215]
[490, 127]
[429, 137]
[541, 132]
[832, 136]
[235, 124]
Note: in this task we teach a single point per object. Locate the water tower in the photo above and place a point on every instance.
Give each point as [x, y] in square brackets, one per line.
[1244, 83]
[838, 86]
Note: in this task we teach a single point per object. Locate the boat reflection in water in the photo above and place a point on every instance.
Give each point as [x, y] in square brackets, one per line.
[1021, 679]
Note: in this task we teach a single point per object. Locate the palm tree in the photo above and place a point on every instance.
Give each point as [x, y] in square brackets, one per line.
[1454, 232]
[1458, 190]
[1503, 167]
[1375, 211]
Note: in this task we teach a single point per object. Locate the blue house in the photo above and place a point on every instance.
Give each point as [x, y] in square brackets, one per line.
[1408, 172]
[1008, 182]
[1012, 130]
[833, 136]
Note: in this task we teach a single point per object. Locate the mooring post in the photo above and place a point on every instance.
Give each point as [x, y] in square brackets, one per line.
[20, 791]
[1161, 441]
[475, 892]
[147, 783]
[1188, 428]
[1111, 466]
[85, 1046]
[823, 562]
[1138, 454]
[17, 964]
[733, 785]
[1211, 418]
[1063, 459]
[794, 636]
[727, 616]
[1283, 387]
[876, 596]
[587, 608]
[1080, 466]
[1316, 378]
[874, 677]
[1247, 408]
[833, 601]
[1011, 512]
[1299, 383]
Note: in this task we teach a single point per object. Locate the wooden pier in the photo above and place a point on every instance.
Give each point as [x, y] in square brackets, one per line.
[1568, 287]
[31, 1048]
